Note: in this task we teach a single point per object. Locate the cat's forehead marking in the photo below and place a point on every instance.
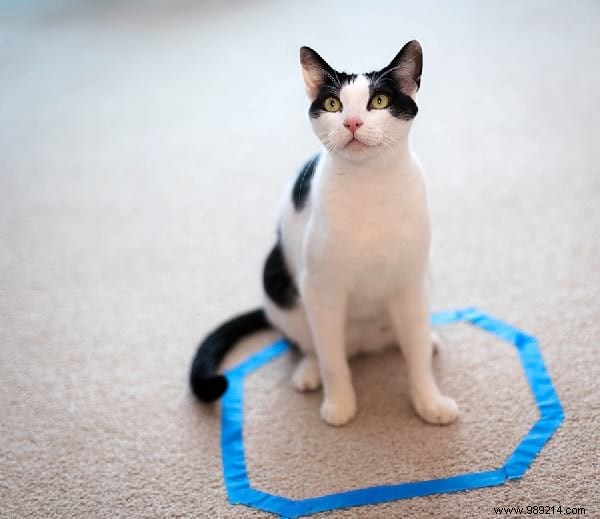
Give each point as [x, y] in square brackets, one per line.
[354, 95]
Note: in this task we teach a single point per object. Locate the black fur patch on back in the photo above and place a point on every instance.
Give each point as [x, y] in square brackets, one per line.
[277, 280]
[301, 188]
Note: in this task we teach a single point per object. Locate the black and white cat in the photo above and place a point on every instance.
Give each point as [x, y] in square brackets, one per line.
[348, 271]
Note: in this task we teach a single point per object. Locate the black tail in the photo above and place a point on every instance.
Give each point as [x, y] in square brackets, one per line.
[206, 384]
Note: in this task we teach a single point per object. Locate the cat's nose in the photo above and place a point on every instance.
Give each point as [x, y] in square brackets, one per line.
[353, 124]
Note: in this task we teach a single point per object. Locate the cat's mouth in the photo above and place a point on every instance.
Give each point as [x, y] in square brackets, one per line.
[356, 144]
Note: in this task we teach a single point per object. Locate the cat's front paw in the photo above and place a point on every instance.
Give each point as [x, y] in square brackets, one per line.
[338, 411]
[440, 410]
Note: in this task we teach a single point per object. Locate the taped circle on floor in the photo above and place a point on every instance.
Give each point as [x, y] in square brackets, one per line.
[235, 472]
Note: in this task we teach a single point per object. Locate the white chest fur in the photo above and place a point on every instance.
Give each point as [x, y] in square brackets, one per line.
[368, 228]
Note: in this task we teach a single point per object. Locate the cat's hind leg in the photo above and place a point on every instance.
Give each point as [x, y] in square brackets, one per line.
[293, 323]
[306, 375]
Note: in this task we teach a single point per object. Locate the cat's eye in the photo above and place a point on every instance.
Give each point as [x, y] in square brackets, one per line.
[332, 104]
[380, 101]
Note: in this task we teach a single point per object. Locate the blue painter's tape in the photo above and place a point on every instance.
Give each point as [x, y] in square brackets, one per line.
[259, 359]
[235, 472]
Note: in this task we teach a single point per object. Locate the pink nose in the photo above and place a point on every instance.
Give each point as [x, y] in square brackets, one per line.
[353, 124]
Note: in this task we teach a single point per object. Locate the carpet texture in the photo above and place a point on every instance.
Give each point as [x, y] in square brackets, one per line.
[144, 147]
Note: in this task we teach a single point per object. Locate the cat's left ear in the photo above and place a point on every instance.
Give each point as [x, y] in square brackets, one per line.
[315, 71]
[407, 66]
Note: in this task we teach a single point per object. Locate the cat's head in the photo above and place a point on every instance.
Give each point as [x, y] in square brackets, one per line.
[362, 115]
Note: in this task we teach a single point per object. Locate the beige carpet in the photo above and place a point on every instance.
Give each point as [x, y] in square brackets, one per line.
[143, 150]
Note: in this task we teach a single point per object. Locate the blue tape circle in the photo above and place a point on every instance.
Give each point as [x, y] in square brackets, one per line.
[235, 473]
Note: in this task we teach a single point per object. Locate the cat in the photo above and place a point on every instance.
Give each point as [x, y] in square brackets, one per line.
[347, 273]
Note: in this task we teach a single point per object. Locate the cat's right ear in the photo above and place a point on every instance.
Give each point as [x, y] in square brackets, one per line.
[315, 71]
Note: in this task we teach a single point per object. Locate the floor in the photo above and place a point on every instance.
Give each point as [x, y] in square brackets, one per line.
[144, 147]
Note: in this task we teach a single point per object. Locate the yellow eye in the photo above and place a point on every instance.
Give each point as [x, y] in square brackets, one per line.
[380, 101]
[332, 104]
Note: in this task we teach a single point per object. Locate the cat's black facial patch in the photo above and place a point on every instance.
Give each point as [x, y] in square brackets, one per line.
[277, 280]
[380, 82]
[398, 81]
[301, 188]
[331, 87]
[401, 106]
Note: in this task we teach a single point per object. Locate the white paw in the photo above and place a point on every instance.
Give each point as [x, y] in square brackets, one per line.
[306, 376]
[437, 410]
[338, 411]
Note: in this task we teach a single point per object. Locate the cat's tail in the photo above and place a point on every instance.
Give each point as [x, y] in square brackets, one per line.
[206, 384]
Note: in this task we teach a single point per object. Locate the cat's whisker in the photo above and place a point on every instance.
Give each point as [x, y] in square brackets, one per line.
[336, 79]
[390, 144]
[381, 75]
[327, 140]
